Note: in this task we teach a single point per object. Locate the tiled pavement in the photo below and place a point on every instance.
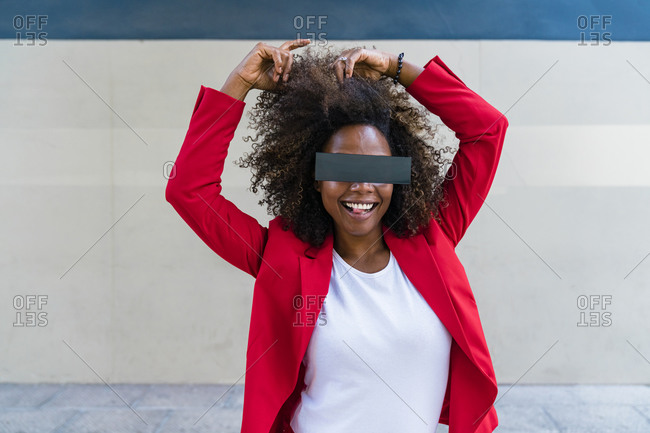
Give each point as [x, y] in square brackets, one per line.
[52, 408]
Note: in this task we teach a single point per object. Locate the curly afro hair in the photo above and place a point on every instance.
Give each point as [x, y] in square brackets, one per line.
[295, 120]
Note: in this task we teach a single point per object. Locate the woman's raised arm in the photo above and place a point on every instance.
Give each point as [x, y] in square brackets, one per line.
[194, 190]
[481, 129]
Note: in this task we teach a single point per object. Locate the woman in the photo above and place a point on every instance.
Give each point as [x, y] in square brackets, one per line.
[399, 344]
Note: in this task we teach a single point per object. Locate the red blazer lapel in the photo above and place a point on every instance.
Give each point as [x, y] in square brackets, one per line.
[315, 273]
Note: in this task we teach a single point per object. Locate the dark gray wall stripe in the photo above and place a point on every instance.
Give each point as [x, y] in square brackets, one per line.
[282, 19]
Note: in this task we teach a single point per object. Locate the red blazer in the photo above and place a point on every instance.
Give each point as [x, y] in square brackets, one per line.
[285, 267]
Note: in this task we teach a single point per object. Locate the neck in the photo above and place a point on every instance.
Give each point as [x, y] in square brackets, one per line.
[357, 247]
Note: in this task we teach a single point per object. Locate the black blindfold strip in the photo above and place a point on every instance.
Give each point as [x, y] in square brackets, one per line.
[346, 167]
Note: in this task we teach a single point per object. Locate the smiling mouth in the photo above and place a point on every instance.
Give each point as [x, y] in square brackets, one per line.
[358, 210]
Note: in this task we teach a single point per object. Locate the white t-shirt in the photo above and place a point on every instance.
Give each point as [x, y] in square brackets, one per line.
[378, 358]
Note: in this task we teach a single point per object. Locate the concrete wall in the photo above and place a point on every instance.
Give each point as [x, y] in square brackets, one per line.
[133, 295]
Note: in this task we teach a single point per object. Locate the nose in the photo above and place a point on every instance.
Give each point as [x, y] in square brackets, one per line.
[362, 186]
[365, 185]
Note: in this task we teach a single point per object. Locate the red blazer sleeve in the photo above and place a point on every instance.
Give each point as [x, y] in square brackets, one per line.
[194, 190]
[481, 130]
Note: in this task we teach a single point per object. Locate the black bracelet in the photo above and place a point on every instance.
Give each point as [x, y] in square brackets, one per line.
[399, 67]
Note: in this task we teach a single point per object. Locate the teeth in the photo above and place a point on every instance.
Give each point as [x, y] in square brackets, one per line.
[359, 205]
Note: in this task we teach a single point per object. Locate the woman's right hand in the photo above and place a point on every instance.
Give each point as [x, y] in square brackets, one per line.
[264, 66]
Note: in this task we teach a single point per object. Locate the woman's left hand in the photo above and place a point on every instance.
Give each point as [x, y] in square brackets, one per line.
[365, 62]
